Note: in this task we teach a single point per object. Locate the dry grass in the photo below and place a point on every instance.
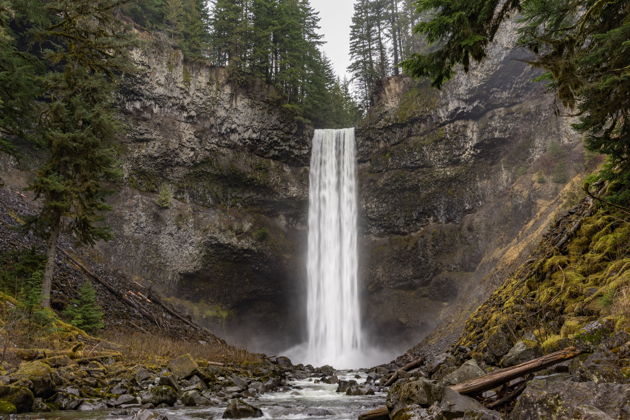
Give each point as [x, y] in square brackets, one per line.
[142, 347]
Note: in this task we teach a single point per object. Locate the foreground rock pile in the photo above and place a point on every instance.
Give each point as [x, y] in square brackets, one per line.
[101, 382]
[594, 385]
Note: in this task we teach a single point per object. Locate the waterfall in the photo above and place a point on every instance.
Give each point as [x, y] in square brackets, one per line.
[333, 312]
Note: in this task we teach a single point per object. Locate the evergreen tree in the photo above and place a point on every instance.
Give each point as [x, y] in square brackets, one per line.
[79, 49]
[174, 19]
[84, 312]
[583, 45]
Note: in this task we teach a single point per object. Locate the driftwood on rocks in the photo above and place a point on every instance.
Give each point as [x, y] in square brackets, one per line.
[380, 413]
[409, 366]
[502, 376]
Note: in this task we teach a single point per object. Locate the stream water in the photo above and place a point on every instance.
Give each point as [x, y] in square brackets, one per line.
[305, 400]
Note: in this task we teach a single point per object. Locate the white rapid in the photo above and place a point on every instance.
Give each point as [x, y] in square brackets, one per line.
[333, 312]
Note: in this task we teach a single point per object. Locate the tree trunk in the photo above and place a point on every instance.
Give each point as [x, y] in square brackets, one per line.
[502, 376]
[49, 272]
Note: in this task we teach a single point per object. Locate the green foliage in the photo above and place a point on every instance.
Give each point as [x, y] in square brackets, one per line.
[165, 197]
[261, 234]
[84, 312]
[581, 44]
[17, 269]
[380, 38]
[278, 41]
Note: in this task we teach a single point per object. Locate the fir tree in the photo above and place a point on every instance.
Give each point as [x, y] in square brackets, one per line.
[84, 312]
[81, 46]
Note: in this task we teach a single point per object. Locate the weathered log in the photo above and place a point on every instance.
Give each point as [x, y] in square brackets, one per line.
[409, 366]
[381, 413]
[502, 376]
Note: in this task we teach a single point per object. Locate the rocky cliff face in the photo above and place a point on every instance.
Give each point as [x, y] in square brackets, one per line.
[212, 211]
[454, 184]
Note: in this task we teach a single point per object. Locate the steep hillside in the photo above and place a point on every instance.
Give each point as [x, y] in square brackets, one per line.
[456, 186]
[573, 293]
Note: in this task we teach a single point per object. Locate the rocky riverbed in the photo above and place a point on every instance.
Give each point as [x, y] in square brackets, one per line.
[104, 388]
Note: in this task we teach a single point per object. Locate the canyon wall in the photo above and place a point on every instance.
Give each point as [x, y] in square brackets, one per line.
[455, 185]
[213, 208]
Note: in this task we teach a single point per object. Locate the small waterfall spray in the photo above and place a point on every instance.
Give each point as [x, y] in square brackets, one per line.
[333, 312]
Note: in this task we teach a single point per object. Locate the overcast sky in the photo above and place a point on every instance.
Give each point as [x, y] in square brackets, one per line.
[336, 17]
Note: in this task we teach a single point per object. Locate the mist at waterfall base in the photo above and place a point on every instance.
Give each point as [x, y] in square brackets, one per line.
[334, 329]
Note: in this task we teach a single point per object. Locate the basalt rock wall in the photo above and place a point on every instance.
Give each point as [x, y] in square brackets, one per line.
[213, 208]
[456, 184]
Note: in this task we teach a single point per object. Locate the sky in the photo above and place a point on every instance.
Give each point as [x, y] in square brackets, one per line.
[336, 17]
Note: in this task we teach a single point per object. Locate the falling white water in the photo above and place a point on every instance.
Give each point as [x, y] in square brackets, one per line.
[333, 313]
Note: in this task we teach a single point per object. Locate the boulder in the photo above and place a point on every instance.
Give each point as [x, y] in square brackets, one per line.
[330, 379]
[183, 367]
[522, 351]
[38, 377]
[7, 408]
[343, 386]
[238, 409]
[422, 392]
[327, 370]
[148, 415]
[124, 399]
[20, 397]
[455, 405]
[469, 370]
[283, 362]
[161, 394]
[546, 398]
[142, 375]
[67, 401]
[498, 345]
[194, 399]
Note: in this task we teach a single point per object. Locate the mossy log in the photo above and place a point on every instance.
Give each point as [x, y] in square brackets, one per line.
[502, 376]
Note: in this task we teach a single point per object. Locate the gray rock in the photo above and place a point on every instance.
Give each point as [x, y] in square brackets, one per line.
[343, 386]
[120, 388]
[469, 370]
[330, 379]
[124, 399]
[563, 399]
[143, 375]
[148, 415]
[194, 399]
[522, 351]
[161, 394]
[455, 405]
[240, 381]
[318, 412]
[422, 392]
[67, 401]
[238, 409]
[327, 370]
[92, 406]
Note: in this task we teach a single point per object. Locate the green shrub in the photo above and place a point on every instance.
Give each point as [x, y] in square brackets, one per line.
[84, 312]
[165, 197]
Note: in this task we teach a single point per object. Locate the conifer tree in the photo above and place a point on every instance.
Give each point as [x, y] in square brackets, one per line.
[84, 52]
[84, 312]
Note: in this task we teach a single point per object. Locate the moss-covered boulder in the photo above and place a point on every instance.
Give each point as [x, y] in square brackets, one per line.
[162, 394]
[38, 377]
[20, 397]
[407, 394]
[183, 367]
[7, 408]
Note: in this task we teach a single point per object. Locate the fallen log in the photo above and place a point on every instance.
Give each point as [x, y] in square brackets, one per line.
[381, 413]
[502, 376]
[409, 366]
